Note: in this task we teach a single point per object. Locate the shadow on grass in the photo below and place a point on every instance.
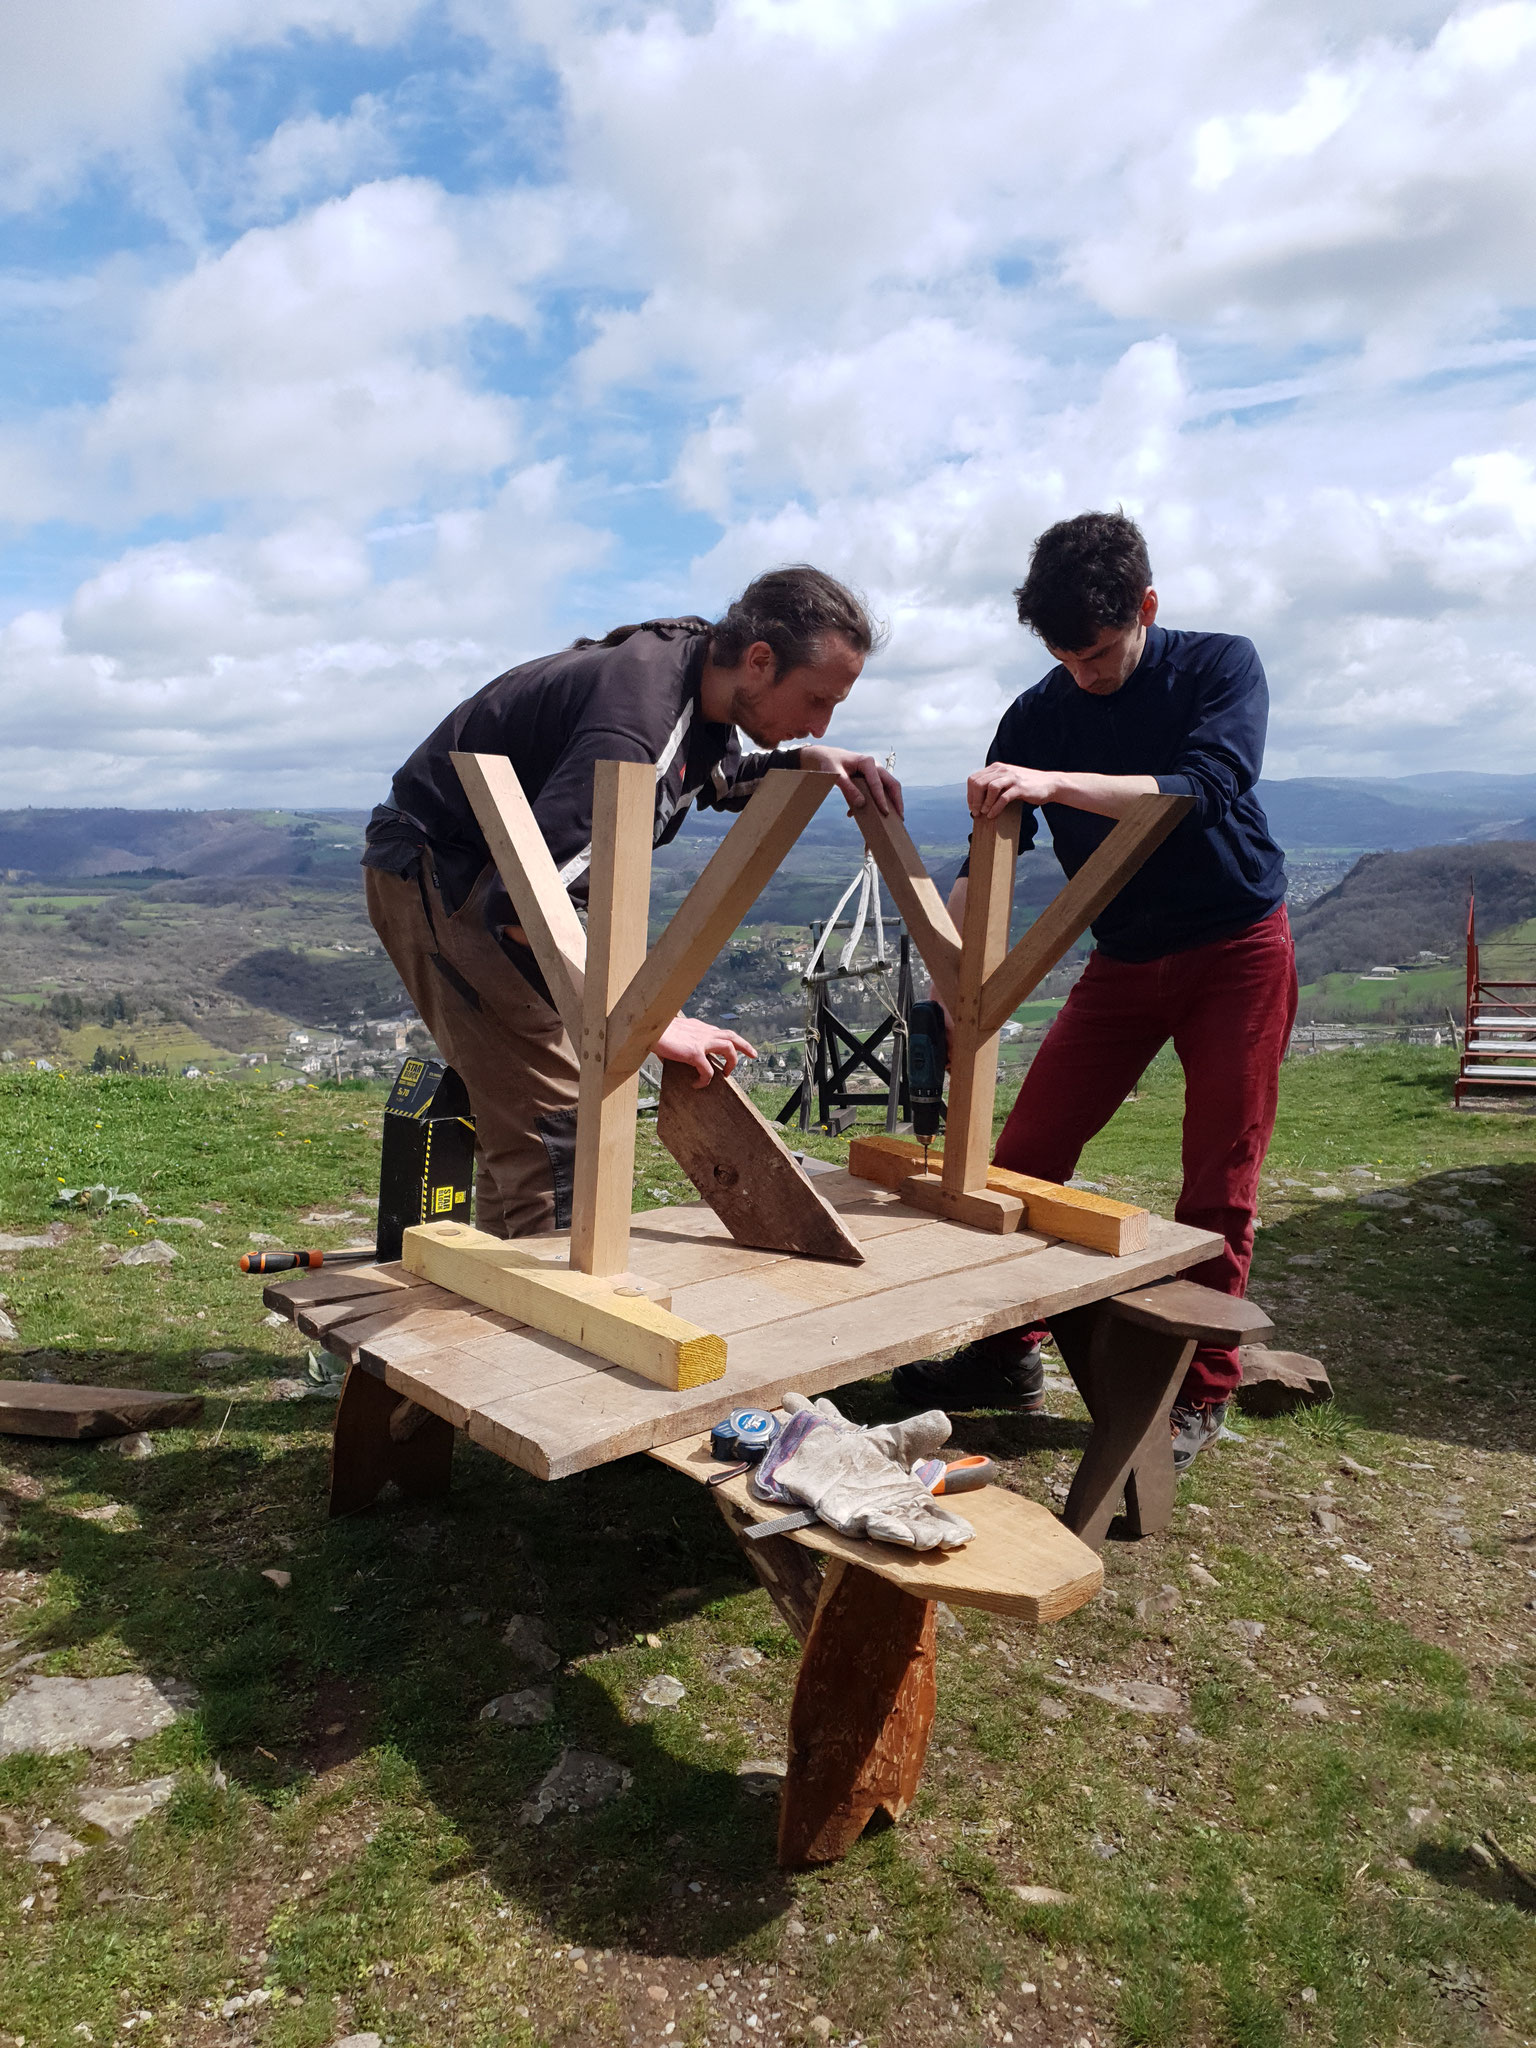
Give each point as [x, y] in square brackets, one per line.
[388, 1639]
[1454, 1864]
[1423, 1313]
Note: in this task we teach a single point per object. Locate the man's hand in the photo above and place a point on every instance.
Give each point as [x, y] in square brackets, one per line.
[690, 1041]
[851, 770]
[991, 789]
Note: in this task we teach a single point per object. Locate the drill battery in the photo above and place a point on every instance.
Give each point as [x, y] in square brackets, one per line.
[428, 1164]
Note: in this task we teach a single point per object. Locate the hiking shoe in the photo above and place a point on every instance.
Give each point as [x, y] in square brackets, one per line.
[1195, 1425]
[991, 1373]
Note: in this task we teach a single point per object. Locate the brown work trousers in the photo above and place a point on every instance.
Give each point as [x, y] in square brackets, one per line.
[504, 1041]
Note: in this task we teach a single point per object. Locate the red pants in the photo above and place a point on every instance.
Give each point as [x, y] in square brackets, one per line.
[1229, 1009]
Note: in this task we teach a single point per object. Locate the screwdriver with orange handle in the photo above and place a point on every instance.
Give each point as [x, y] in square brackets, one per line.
[284, 1262]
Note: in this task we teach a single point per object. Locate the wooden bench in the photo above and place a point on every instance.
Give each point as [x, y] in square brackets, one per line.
[426, 1364]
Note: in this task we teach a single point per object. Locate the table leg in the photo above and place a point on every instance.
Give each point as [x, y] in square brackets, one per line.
[790, 1574]
[1128, 1378]
[862, 1714]
[380, 1437]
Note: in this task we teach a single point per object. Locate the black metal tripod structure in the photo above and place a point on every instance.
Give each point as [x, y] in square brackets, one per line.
[832, 1051]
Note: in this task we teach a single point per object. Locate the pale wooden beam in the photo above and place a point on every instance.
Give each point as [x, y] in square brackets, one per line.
[973, 1048]
[618, 907]
[544, 910]
[745, 860]
[916, 896]
[1064, 920]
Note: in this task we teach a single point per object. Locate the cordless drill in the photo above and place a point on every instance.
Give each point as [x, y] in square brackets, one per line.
[927, 1057]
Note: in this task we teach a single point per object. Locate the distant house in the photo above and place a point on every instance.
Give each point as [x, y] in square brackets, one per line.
[1379, 974]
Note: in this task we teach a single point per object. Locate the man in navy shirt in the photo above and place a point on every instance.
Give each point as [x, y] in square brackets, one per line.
[1196, 948]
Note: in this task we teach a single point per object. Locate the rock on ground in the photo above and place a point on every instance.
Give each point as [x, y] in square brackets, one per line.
[525, 1636]
[119, 1811]
[525, 1709]
[52, 1845]
[1274, 1382]
[49, 1716]
[576, 1782]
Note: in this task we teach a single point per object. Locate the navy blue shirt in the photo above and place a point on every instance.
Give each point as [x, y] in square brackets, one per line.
[1192, 713]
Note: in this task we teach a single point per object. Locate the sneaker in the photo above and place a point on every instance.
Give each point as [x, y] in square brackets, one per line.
[1195, 1426]
[991, 1373]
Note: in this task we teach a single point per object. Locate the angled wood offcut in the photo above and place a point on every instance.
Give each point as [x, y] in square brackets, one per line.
[743, 1169]
[532, 880]
[1073, 1214]
[623, 1328]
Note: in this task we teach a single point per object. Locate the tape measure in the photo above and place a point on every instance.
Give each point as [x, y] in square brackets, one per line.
[743, 1437]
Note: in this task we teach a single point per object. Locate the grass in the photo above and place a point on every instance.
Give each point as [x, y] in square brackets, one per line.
[346, 1834]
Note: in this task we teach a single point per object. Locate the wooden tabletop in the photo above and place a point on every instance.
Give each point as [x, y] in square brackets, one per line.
[790, 1323]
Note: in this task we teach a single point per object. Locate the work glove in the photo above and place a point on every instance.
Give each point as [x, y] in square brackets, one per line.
[857, 1480]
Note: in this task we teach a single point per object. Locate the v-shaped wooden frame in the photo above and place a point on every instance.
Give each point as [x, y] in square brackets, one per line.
[616, 998]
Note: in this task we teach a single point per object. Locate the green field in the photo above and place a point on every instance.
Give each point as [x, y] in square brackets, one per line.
[345, 1833]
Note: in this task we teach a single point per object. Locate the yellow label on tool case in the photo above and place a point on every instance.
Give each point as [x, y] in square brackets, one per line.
[410, 1074]
[442, 1201]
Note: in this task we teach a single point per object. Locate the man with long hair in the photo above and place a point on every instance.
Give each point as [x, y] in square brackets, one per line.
[672, 692]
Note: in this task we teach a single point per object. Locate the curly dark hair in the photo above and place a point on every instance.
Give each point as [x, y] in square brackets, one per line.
[791, 609]
[1087, 576]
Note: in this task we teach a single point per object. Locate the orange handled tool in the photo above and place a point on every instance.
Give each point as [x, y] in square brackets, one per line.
[964, 1475]
[284, 1262]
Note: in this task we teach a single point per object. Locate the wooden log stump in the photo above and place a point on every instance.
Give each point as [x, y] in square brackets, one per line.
[378, 1437]
[788, 1573]
[862, 1714]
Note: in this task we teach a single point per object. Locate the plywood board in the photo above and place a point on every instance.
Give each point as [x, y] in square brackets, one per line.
[1023, 1561]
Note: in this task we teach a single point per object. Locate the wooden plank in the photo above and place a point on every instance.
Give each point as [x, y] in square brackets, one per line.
[49, 1408]
[367, 1453]
[973, 1048]
[618, 906]
[917, 899]
[1021, 1562]
[581, 1308]
[1062, 923]
[790, 1287]
[744, 862]
[742, 1168]
[347, 1340]
[308, 1290]
[1186, 1309]
[319, 1322]
[1075, 1214]
[980, 1208]
[523, 861]
[615, 1414]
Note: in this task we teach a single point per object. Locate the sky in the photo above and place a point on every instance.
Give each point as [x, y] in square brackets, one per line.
[352, 351]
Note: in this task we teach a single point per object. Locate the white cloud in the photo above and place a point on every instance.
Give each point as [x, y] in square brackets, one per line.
[889, 284]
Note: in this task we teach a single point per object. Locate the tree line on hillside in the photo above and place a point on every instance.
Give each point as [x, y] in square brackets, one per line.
[1392, 906]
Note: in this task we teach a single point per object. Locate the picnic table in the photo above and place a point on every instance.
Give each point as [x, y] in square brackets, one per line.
[425, 1363]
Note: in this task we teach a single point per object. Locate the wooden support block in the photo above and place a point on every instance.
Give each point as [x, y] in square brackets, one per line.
[1074, 1215]
[861, 1717]
[1128, 1377]
[584, 1309]
[916, 897]
[523, 861]
[47, 1408]
[973, 1046]
[743, 1169]
[981, 1208]
[618, 907]
[740, 868]
[366, 1452]
[1063, 921]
